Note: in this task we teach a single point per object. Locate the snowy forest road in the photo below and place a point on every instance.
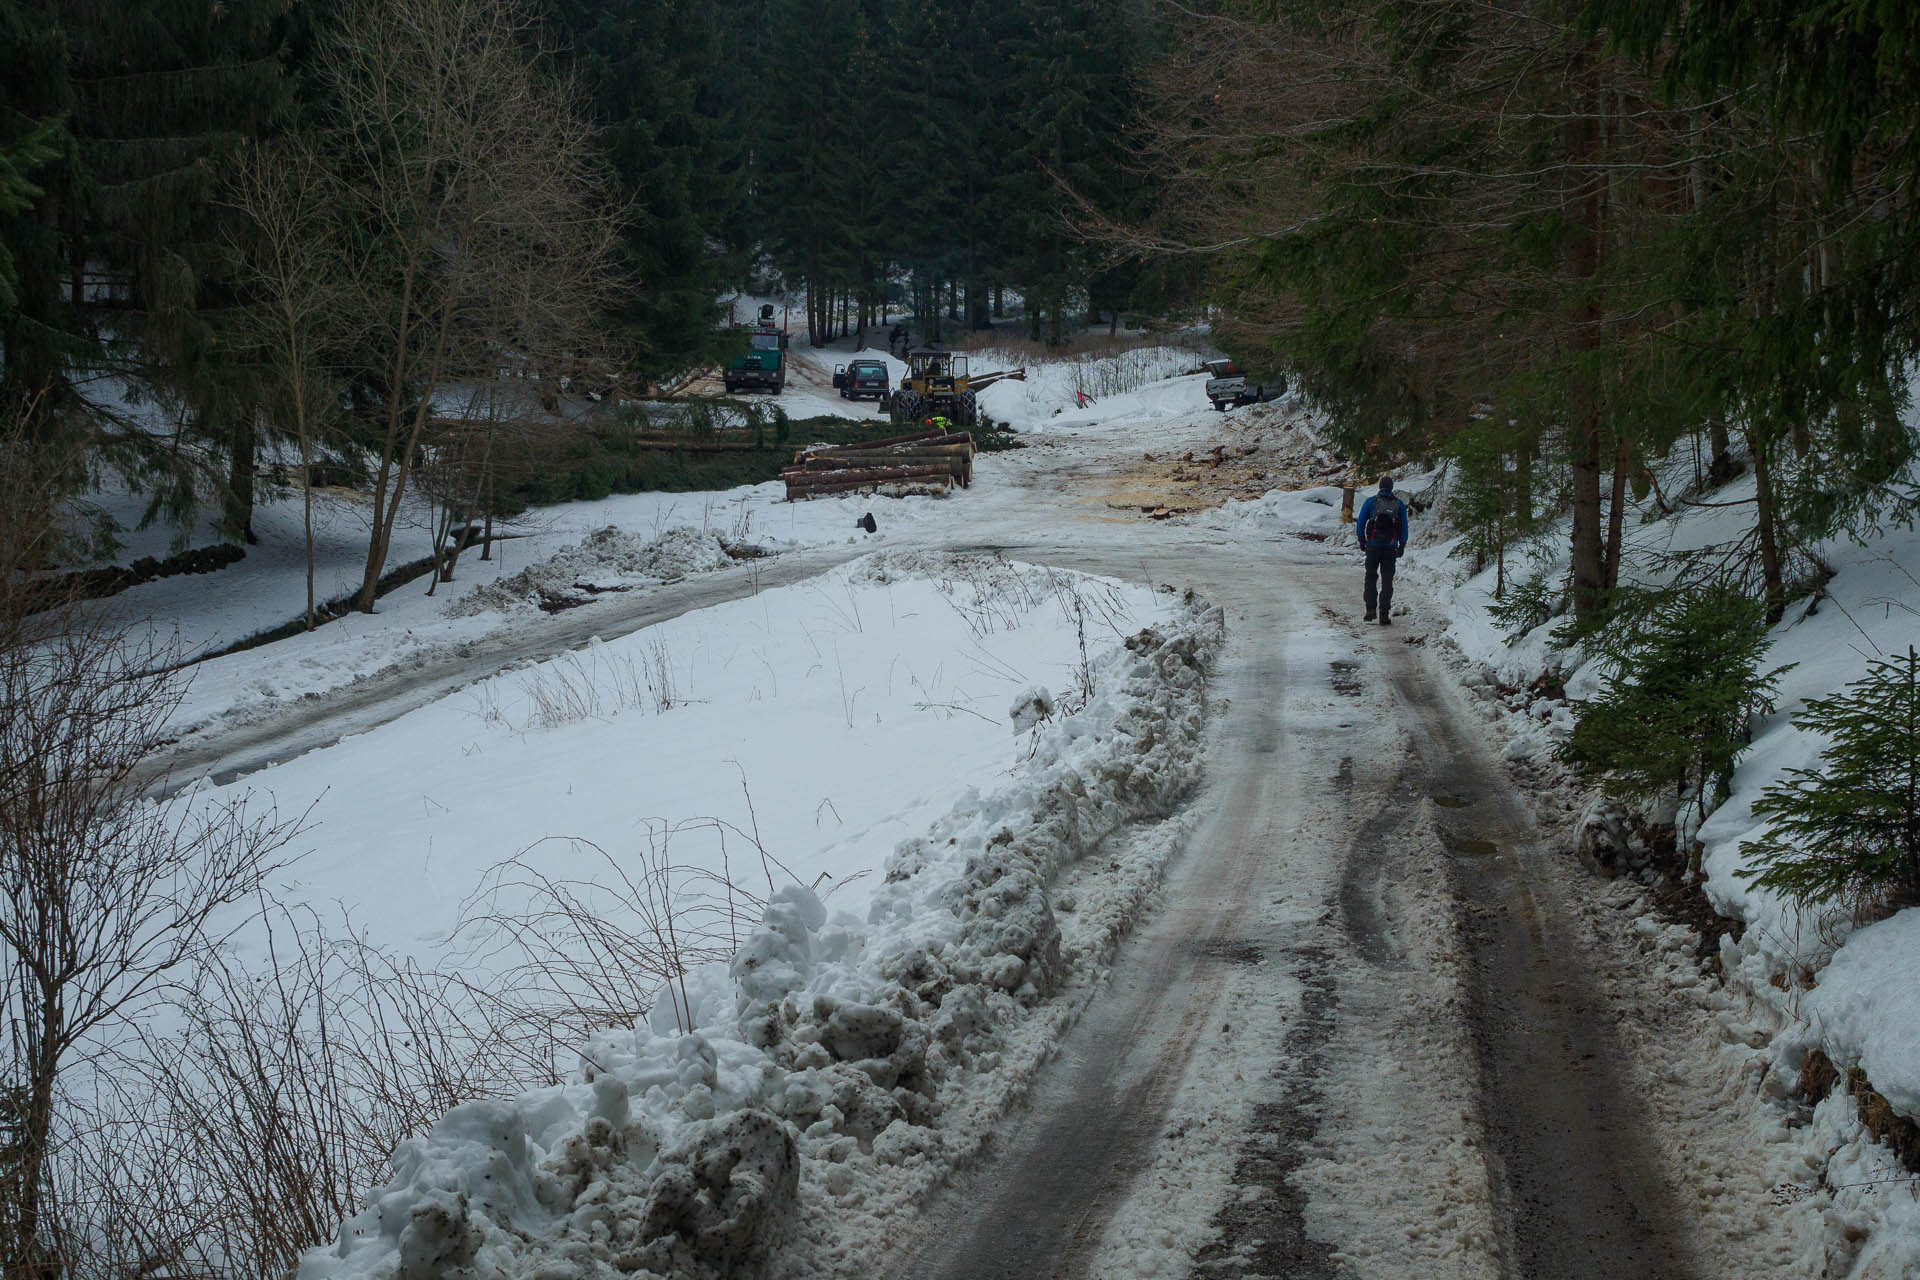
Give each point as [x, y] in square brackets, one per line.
[1355, 1039]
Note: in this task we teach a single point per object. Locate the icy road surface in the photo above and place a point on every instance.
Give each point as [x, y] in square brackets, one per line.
[1364, 1032]
[1354, 1041]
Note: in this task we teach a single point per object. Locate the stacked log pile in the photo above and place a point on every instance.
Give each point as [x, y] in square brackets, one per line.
[930, 459]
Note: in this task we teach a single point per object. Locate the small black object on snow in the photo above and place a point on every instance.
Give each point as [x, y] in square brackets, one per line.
[866, 522]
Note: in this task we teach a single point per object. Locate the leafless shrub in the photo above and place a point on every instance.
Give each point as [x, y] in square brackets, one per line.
[594, 950]
[988, 593]
[661, 686]
[271, 1103]
[109, 899]
[594, 685]
[572, 688]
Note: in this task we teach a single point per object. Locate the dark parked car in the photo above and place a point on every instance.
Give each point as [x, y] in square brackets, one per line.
[861, 378]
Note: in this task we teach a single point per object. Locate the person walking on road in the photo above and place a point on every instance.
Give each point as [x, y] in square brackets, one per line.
[1382, 526]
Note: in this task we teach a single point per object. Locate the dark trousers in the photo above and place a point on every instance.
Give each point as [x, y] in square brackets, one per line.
[1380, 563]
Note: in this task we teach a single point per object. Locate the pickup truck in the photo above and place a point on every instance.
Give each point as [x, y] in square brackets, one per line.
[1229, 386]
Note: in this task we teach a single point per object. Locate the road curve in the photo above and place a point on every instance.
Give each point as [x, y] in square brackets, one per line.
[231, 752]
[1347, 779]
[1359, 853]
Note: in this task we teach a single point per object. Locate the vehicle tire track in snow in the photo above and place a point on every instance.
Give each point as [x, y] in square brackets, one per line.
[1574, 1191]
[1268, 1235]
[1096, 1116]
[230, 752]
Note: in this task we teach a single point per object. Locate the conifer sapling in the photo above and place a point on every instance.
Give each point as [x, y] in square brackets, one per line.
[1850, 827]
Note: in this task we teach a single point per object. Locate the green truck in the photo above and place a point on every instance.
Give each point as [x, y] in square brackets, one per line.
[761, 364]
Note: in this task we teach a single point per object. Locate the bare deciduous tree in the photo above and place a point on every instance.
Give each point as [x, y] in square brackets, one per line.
[478, 204]
[270, 1105]
[307, 288]
[106, 895]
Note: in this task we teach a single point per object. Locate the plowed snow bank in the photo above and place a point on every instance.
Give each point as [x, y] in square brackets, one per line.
[820, 1055]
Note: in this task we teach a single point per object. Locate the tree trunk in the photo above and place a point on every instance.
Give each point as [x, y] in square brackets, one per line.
[377, 537]
[1523, 478]
[1616, 511]
[240, 479]
[1763, 498]
[1589, 569]
[22, 1260]
[1720, 470]
[306, 494]
[866, 307]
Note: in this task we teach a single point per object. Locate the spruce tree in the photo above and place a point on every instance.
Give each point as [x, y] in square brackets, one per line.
[1069, 67]
[1676, 717]
[652, 74]
[122, 262]
[1850, 828]
[20, 156]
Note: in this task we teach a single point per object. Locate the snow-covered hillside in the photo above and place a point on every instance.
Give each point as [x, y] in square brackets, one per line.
[1806, 978]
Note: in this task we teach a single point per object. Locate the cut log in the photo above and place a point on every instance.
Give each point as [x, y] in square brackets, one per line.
[701, 446]
[925, 458]
[909, 438]
[864, 474]
[884, 458]
[812, 487]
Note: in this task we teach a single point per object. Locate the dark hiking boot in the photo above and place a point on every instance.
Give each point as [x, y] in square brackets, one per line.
[1369, 615]
[1386, 619]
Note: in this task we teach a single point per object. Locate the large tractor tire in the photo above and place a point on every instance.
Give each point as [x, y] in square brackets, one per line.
[966, 412]
[904, 407]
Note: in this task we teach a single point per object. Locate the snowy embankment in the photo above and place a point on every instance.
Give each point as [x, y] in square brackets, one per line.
[813, 1067]
[1805, 979]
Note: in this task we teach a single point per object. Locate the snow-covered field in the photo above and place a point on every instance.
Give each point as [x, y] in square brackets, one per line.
[835, 718]
[902, 928]
[207, 613]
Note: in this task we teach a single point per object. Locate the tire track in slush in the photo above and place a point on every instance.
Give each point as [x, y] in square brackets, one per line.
[1097, 1114]
[1574, 1192]
[1266, 1234]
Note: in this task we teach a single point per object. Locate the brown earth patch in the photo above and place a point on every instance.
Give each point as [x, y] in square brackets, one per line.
[1243, 456]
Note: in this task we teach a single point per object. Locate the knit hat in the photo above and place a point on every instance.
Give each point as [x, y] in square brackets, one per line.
[1386, 484]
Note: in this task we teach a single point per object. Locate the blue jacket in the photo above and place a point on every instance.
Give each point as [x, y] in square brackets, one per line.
[1366, 510]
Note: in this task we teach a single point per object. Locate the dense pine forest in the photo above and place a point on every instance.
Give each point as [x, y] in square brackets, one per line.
[1556, 240]
[246, 214]
[1551, 240]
